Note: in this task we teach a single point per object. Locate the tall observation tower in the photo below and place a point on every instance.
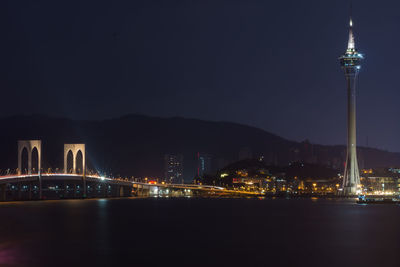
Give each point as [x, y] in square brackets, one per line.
[350, 62]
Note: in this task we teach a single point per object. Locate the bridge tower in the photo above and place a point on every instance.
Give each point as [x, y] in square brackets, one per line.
[350, 62]
[74, 149]
[30, 146]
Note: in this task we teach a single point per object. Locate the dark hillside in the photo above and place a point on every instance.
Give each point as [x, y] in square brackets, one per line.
[135, 145]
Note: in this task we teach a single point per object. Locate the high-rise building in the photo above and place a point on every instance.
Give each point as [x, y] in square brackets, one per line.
[173, 166]
[203, 164]
[350, 62]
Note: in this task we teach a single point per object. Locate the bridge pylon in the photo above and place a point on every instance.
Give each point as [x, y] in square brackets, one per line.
[74, 149]
[30, 146]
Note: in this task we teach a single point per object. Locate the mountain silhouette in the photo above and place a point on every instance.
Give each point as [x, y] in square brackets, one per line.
[135, 145]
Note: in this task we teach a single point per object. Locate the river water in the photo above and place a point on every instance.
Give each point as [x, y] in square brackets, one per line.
[199, 232]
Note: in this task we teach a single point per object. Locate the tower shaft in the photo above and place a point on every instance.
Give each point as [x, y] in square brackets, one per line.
[351, 175]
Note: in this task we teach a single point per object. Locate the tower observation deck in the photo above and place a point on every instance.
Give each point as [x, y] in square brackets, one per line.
[350, 62]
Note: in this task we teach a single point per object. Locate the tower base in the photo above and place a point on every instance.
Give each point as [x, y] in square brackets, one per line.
[349, 191]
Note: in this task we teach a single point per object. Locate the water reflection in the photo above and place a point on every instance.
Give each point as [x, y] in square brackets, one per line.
[104, 232]
[8, 255]
[102, 228]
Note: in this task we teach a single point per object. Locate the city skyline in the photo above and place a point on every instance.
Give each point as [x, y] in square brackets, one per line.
[199, 133]
[133, 63]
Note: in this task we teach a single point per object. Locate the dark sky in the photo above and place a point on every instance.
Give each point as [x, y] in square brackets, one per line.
[270, 64]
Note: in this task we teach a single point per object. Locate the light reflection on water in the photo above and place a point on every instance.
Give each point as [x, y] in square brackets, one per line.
[108, 231]
[102, 230]
[9, 254]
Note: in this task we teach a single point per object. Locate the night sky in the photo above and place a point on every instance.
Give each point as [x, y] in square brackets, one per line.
[269, 64]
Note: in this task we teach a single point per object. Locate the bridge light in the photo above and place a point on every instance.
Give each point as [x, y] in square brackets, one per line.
[102, 178]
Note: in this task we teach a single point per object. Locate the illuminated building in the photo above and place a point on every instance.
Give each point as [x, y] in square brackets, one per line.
[203, 164]
[380, 181]
[173, 166]
[350, 62]
[382, 185]
[250, 174]
[394, 170]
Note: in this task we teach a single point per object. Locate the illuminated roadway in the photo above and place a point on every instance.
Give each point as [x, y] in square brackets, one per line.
[96, 178]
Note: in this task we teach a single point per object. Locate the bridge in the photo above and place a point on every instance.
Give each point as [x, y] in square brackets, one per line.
[61, 185]
[74, 182]
[69, 186]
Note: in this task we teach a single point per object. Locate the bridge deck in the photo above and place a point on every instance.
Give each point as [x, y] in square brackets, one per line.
[50, 182]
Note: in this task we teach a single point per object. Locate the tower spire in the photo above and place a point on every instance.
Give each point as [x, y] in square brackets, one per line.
[351, 44]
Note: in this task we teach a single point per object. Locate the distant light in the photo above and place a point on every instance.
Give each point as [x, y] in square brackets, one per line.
[102, 178]
[351, 23]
